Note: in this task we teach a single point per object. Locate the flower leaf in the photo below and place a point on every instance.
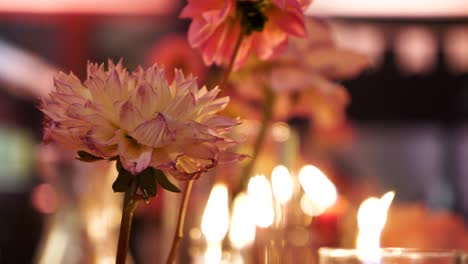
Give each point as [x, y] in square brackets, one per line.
[147, 183]
[87, 157]
[164, 181]
[123, 181]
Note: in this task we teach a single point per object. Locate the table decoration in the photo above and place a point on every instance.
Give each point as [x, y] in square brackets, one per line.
[394, 256]
[156, 129]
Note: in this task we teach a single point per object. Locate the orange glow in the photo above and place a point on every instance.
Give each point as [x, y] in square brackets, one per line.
[390, 8]
[90, 6]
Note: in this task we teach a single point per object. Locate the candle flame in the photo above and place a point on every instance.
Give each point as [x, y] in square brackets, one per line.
[282, 184]
[320, 191]
[260, 198]
[242, 232]
[372, 215]
[215, 219]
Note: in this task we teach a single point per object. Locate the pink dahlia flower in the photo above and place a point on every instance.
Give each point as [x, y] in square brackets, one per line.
[265, 25]
[140, 118]
[304, 78]
[173, 51]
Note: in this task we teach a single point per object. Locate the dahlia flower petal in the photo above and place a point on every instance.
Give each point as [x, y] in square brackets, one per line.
[280, 3]
[206, 158]
[115, 67]
[221, 122]
[182, 107]
[204, 151]
[183, 85]
[187, 12]
[145, 98]
[70, 84]
[114, 88]
[98, 93]
[227, 156]
[199, 32]
[216, 28]
[196, 7]
[291, 22]
[134, 157]
[154, 132]
[102, 133]
[130, 116]
[304, 3]
[215, 16]
[95, 70]
[204, 96]
[52, 110]
[243, 53]
[160, 159]
[194, 132]
[215, 106]
[270, 42]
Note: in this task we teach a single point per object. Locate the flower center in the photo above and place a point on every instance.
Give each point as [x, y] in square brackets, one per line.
[251, 14]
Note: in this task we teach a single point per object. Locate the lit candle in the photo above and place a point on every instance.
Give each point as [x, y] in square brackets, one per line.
[319, 190]
[372, 215]
[260, 198]
[215, 223]
[242, 230]
[282, 185]
[320, 195]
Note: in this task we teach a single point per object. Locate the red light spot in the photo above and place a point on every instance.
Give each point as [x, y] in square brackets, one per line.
[44, 198]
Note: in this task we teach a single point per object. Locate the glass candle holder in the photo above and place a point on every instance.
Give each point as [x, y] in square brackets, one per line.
[394, 256]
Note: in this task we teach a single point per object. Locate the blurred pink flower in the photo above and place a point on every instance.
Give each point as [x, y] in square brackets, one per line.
[173, 51]
[140, 118]
[415, 226]
[265, 25]
[304, 78]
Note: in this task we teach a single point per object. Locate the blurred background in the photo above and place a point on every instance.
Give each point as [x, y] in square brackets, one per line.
[408, 128]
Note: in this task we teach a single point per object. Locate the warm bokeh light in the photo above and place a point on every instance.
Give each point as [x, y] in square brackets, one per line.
[27, 72]
[364, 38]
[215, 220]
[44, 198]
[321, 192]
[215, 223]
[242, 231]
[455, 48]
[280, 131]
[416, 49]
[260, 198]
[390, 8]
[372, 215]
[282, 184]
[101, 221]
[308, 206]
[90, 6]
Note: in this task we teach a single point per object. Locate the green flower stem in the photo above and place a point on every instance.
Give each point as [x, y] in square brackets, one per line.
[266, 119]
[130, 204]
[179, 234]
[228, 70]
